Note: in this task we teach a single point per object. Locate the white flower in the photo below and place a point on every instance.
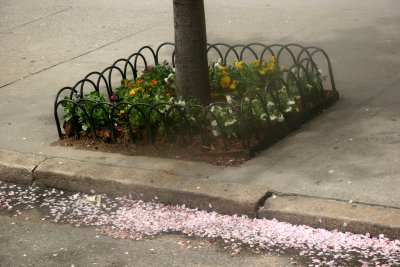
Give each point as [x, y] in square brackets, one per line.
[272, 117]
[193, 119]
[281, 118]
[229, 99]
[173, 69]
[270, 104]
[228, 123]
[214, 123]
[170, 75]
[320, 71]
[291, 102]
[215, 132]
[181, 102]
[288, 109]
[217, 65]
[309, 86]
[247, 99]
[166, 80]
[263, 116]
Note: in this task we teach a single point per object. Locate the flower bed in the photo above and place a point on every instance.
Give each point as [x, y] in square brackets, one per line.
[256, 99]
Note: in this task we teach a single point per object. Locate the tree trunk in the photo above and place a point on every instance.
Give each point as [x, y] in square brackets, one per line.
[191, 50]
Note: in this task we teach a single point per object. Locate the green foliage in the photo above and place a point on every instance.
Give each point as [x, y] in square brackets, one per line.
[256, 89]
[99, 116]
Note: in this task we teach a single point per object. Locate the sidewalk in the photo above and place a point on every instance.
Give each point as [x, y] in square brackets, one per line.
[350, 153]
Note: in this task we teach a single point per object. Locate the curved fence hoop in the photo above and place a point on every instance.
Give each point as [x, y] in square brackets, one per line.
[108, 116]
[82, 83]
[245, 48]
[134, 68]
[152, 53]
[233, 49]
[182, 114]
[101, 77]
[211, 46]
[329, 65]
[286, 48]
[110, 69]
[159, 49]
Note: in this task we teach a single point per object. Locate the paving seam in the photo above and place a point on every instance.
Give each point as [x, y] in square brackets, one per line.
[333, 215]
[282, 194]
[81, 55]
[35, 20]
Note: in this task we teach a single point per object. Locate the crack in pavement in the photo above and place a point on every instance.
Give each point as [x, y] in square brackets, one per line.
[34, 169]
[35, 20]
[281, 194]
[85, 53]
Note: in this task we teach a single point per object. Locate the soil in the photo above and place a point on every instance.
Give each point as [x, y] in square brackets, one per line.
[216, 153]
[162, 149]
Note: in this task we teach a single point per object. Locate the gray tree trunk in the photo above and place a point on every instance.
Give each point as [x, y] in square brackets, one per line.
[191, 50]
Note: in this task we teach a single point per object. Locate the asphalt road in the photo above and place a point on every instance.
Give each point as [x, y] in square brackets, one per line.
[25, 240]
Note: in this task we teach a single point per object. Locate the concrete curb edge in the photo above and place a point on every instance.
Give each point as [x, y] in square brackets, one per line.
[195, 192]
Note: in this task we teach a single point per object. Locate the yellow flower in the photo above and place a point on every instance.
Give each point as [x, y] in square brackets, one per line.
[270, 66]
[122, 111]
[133, 92]
[239, 64]
[272, 60]
[224, 73]
[148, 96]
[262, 72]
[255, 63]
[223, 68]
[225, 81]
[138, 82]
[126, 82]
[253, 101]
[233, 85]
[257, 89]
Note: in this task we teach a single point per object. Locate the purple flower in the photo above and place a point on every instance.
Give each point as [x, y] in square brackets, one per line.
[165, 62]
[113, 97]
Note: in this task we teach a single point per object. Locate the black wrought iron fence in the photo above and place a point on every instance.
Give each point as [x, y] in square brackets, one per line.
[262, 115]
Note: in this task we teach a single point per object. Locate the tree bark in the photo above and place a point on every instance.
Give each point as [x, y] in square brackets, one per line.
[191, 63]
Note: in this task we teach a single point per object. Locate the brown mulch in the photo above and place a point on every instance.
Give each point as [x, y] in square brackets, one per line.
[162, 148]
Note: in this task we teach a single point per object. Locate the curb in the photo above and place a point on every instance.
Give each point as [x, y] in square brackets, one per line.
[18, 167]
[195, 192]
[332, 214]
[167, 188]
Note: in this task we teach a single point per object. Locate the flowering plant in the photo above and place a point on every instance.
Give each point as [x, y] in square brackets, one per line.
[243, 96]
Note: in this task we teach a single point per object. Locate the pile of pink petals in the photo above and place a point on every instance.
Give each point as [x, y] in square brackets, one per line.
[135, 219]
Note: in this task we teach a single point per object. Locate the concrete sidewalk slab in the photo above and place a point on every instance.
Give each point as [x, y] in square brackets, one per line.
[18, 167]
[167, 188]
[333, 215]
[350, 152]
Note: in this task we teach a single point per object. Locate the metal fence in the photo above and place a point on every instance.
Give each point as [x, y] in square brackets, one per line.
[303, 64]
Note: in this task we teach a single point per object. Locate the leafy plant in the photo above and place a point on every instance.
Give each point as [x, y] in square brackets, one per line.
[249, 95]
